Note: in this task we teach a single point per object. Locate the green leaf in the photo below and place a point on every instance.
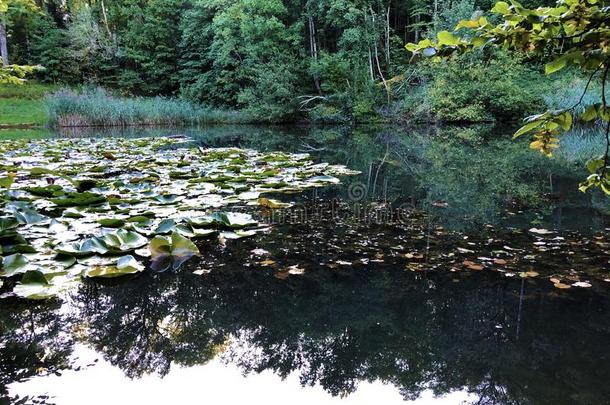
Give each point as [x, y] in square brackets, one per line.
[501, 7]
[166, 226]
[447, 38]
[126, 265]
[14, 264]
[594, 165]
[590, 113]
[170, 253]
[530, 126]
[555, 65]
[7, 223]
[111, 222]
[123, 241]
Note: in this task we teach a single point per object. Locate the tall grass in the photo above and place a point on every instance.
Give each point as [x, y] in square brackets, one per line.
[582, 144]
[97, 108]
[567, 90]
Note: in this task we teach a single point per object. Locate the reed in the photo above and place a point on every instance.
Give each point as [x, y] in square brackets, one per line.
[98, 108]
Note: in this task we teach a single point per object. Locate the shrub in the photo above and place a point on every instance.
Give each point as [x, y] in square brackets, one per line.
[478, 88]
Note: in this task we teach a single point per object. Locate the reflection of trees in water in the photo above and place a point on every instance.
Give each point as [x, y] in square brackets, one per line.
[34, 339]
[337, 329]
[477, 170]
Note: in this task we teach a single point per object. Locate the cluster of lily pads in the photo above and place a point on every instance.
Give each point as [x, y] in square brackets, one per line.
[103, 208]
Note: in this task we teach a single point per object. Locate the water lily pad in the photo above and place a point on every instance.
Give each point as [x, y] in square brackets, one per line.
[171, 252]
[111, 222]
[123, 240]
[234, 219]
[13, 264]
[124, 266]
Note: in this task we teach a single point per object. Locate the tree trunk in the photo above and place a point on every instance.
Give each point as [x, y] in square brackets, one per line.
[3, 47]
[313, 47]
[387, 37]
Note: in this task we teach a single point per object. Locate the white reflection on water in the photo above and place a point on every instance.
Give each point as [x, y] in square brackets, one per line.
[214, 382]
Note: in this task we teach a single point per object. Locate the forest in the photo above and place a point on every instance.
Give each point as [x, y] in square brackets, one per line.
[329, 61]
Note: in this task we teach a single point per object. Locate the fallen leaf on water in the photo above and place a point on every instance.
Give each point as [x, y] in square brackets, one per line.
[554, 280]
[528, 274]
[561, 286]
[472, 265]
[501, 262]
[540, 231]
[282, 275]
[259, 252]
[295, 269]
[582, 284]
[267, 262]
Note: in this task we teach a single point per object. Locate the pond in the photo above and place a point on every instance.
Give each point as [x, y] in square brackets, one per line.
[454, 268]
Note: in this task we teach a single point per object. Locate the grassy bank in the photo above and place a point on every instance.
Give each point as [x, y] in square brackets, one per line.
[23, 106]
[97, 108]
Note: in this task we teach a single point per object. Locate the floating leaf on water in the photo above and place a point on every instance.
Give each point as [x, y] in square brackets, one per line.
[237, 234]
[472, 265]
[171, 252]
[248, 195]
[582, 284]
[540, 231]
[124, 266]
[166, 226]
[111, 222]
[295, 270]
[273, 204]
[13, 264]
[234, 219]
[260, 252]
[528, 274]
[83, 248]
[123, 241]
[7, 223]
[282, 275]
[267, 262]
[561, 286]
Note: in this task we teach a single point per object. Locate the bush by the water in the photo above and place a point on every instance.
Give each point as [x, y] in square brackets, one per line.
[67, 108]
[476, 88]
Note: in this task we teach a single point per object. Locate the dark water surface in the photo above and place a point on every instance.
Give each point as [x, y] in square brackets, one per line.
[358, 294]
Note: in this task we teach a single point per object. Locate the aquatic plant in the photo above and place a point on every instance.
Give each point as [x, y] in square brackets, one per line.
[67, 108]
[85, 208]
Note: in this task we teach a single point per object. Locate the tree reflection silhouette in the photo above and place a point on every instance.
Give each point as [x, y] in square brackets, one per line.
[338, 329]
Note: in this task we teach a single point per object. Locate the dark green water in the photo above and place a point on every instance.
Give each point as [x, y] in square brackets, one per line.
[383, 312]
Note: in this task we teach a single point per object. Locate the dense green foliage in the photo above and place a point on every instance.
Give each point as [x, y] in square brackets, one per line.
[277, 60]
[574, 32]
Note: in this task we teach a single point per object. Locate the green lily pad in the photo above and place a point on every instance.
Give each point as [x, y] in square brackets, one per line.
[171, 252]
[123, 240]
[79, 199]
[233, 219]
[126, 265]
[14, 264]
